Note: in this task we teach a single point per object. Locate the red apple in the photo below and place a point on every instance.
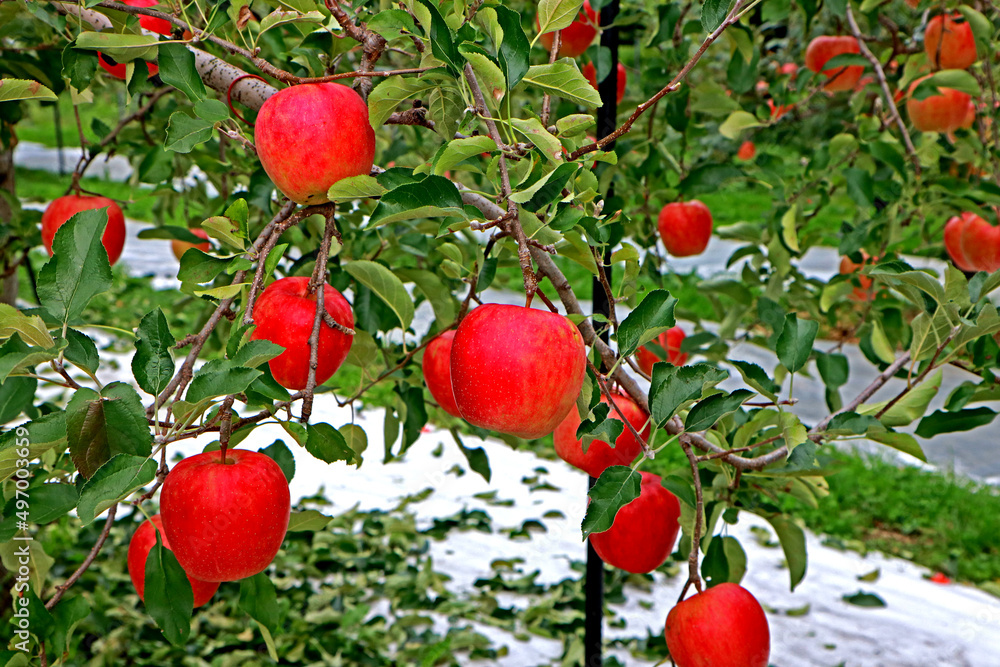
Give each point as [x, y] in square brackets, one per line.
[312, 135]
[590, 72]
[789, 69]
[970, 116]
[943, 112]
[284, 314]
[685, 227]
[516, 370]
[143, 541]
[724, 626]
[644, 531]
[747, 151]
[822, 49]
[64, 208]
[577, 37]
[972, 243]
[179, 247]
[848, 267]
[437, 371]
[600, 454]
[949, 42]
[670, 340]
[227, 519]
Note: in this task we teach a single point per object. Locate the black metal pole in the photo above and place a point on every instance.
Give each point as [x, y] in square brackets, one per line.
[606, 123]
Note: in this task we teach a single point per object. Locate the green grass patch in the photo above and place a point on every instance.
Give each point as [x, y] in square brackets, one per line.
[936, 520]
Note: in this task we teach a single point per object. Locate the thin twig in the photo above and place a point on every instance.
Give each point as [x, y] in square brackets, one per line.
[693, 575]
[318, 283]
[61, 590]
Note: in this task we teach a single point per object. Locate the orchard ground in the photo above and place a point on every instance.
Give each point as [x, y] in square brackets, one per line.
[535, 505]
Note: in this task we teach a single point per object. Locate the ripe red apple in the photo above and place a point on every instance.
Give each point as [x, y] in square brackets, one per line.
[747, 151]
[227, 519]
[577, 37]
[64, 208]
[789, 69]
[143, 541]
[670, 340]
[516, 370]
[972, 243]
[724, 626]
[685, 227]
[949, 42]
[600, 455]
[437, 371]
[822, 49]
[284, 315]
[179, 247]
[848, 267]
[943, 112]
[312, 135]
[590, 72]
[644, 531]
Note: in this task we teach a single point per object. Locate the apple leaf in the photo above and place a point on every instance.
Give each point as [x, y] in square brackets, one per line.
[81, 351]
[114, 480]
[16, 395]
[185, 132]
[152, 365]
[24, 89]
[563, 79]
[477, 458]
[755, 376]
[851, 423]
[43, 434]
[725, 561]
[513, 49]
[795, 342]
[32, 329]
[793, 544]
[433, 197]
[442, 41]
[327, 444]
[384, 284]
[177, 69]
[39, 563]
[673, 386]
[908, 409]
[307, 521]
[704, 414]
[100, 425]
[386, 96]
[862, 599]
[603, 427]
[950, 422]
[616, 487]
[168, 595]
[78, 269]
[680, 487]
[457, 150]
[259, 599]
[16, 356]
[649, 319]
[903, 442]
[713, 13]
[255, 352]
[219, 378]
[557, 14]
[280, 454]
[121, 47]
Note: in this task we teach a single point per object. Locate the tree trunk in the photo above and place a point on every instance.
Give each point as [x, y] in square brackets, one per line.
[8, 290]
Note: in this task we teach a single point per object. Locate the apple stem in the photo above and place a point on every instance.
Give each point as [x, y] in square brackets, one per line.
[225, 426]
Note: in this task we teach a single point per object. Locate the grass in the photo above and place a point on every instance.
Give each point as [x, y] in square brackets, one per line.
[937, 520]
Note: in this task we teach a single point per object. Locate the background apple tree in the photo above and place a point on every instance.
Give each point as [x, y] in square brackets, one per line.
[488, 174]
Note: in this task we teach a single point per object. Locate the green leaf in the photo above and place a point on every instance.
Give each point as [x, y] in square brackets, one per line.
[755, 376]
[31, 329]
[616, 487]
[673, 386]
[327, 444]
[101, 425]
[862, 599]
[897, 271]
[386, 96]
[43, 434]
[956, 79]
[982, 29]
[713, 13]
[16, 357]
[704, 414]
[168, 595]
[951, 422]
[487, 70]
[228, 231]
[557, 14]
[649, 319]
[17, 394]
[851, 423]
[214, 111]
[307, 521]
[793, 544]
[356, 439]
[214, 380]
[475, 456]
[903, 442]
[458, 150]
[537, 134]
[681, 488]
[736, 123]
[833, 369]
[442, 41]
[392, 23]
[112, 482]
[122, 47]
[513, 50]
[185, 132]
[355, 187]
[846, 60]
[78, 67]
[256, 352]
[725, 561]
[152, 365]
[66, 615]
[24, 89]
[177, 69]
[78, 269]
[383, 283]
[795, 342]
[435, 196]
[910, 408]
[280, 454]
[198, 267]
[601, 427]
[281, 17]
[434, 289]
[39, 563]
[82, 351]
[563, 79]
